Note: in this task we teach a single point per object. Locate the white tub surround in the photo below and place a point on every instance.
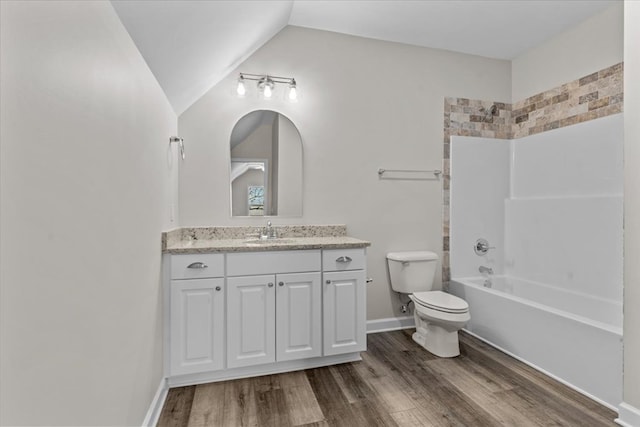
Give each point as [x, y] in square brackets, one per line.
[236, 308]
[551, 205]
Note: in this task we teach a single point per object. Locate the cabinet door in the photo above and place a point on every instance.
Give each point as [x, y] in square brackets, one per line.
[251, 326]
[344, 309]
[298, 316]
[197, 316]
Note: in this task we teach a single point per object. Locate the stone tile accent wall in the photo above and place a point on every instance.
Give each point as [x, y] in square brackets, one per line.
[597, 95]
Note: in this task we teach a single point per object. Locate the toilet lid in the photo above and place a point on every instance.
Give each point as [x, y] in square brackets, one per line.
[442, 301]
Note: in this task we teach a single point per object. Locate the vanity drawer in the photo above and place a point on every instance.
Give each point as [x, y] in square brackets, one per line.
[344, 259]
[251, 263]
[197, 266]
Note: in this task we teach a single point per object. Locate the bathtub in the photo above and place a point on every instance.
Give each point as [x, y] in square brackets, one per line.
[574, 338]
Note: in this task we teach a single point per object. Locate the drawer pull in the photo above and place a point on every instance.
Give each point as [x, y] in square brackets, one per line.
[280, 283]
[218, 288]
[197, 265]
[328, 282]
[344, 259]
[270, 285]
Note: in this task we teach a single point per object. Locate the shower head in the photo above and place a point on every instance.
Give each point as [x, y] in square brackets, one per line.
[489, 112]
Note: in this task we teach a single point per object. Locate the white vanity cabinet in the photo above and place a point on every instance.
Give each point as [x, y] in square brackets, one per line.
[196, 324]
[344, 301]
[238, 314]
[273, 317]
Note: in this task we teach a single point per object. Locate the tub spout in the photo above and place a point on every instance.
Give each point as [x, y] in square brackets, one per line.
[484, 269]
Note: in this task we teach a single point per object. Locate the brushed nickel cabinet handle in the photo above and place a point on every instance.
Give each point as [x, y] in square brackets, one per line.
[197, 265]
[344, 259]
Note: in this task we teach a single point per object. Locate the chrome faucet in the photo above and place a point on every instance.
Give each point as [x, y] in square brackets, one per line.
[482, 269]
[269, 232]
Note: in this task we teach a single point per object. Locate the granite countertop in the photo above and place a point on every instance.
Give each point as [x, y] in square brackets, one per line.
[244, 239]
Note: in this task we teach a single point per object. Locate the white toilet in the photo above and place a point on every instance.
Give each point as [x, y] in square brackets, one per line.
[438, 315]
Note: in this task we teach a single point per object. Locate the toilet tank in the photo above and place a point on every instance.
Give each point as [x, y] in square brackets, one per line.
[412, 271]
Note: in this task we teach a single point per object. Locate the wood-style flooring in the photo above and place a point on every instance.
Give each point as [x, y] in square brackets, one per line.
[397, 383]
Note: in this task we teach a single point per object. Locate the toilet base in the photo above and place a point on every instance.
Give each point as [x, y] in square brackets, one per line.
[436, 339]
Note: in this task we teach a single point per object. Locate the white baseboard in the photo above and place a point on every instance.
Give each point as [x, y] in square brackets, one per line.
[389, 324]
[628, 416]
[153, 414]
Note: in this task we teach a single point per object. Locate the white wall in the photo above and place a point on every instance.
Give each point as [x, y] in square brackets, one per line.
[86, 178]
[632, 207]
[364, 104]
[591, 46]
[480, 169]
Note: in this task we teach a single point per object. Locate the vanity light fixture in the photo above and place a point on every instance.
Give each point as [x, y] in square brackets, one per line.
[267, 85]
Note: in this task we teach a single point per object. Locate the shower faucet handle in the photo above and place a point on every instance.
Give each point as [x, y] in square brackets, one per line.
[482, 247]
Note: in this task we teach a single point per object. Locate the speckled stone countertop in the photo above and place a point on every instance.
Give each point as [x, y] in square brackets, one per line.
[245, 239]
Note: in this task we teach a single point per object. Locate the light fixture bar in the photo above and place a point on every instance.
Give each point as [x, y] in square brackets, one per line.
[275, 79]
[267, 84]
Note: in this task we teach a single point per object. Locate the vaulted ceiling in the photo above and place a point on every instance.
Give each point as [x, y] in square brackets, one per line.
[192, 45]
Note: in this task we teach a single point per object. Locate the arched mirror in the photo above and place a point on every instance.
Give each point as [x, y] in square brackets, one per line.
[266, 166]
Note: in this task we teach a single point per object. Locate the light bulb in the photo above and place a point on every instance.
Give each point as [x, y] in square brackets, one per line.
[267, 91]
[242, 90]
[293, 93]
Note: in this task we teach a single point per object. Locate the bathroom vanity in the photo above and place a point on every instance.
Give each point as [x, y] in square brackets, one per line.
[238, 306]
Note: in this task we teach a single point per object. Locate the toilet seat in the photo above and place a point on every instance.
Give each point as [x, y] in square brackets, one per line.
[441, 301]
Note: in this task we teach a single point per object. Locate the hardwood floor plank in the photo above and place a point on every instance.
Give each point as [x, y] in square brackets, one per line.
[409, 418]
[469, 385]
[240, 404]
[208, 405]
[531, 410]
[301, 403]
[397, 383]
[327, 391]
[177, 407]
[537, 386]
[441, 396]
[323, 423]
[349, 381]
[387, 392]
[372, 414]
[270, 402]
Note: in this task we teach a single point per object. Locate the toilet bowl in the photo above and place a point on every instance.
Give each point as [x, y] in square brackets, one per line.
[438, 315]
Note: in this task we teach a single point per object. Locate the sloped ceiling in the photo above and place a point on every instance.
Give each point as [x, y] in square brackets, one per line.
[192, 45]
